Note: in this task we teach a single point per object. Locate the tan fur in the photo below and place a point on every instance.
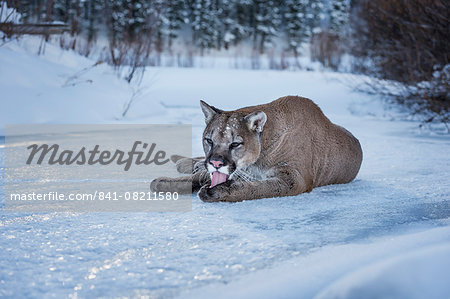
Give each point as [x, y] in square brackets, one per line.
[299, 149]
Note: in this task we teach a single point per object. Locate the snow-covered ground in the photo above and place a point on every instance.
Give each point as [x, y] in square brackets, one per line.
[386, 234]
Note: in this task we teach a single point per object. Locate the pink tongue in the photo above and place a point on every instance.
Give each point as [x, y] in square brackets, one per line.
[218, 178]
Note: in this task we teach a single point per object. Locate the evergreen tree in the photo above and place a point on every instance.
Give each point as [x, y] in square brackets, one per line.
[296, 27]
[315, 15]
[154, 26]
[214, 24]
[338, 16]
[61, 10]
[205, 24]
[118, 14]
[241, 19]
[94, 7]
[174, 17]
[136, 17]
[266, 23]
[226, 12]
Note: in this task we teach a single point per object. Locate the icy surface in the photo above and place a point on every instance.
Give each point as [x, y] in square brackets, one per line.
[402, 192]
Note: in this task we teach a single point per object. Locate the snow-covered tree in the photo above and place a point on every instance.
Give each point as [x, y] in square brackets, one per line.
[338, 16]
[205, 24]
[174, 17]
[209, 24]
[296, 26]
[239, 22]
[265, 24]
[93, 9]
[315, 15]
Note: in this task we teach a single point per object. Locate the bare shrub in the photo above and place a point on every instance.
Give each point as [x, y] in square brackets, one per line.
[407, 41]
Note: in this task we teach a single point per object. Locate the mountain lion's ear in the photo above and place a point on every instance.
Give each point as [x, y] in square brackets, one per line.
[256, 121]
[209, 111]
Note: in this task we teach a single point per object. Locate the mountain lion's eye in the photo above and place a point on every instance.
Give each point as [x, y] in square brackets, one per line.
[235, 145]
[209, 141]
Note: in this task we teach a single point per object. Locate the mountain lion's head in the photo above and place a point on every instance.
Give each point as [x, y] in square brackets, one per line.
[231, 141]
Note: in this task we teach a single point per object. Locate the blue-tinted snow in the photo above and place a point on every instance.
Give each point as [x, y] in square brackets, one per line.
[402, 188]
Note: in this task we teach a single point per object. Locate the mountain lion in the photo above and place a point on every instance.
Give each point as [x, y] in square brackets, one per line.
[282, 148]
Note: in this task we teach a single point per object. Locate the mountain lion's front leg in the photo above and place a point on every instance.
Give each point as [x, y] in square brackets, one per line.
[182, 185]
[188, 165]
[286, 182]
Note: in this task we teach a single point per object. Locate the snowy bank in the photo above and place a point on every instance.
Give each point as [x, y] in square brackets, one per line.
[58, 87]
[413, 265]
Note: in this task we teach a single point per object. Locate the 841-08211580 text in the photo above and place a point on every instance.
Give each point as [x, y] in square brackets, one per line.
[138, 195]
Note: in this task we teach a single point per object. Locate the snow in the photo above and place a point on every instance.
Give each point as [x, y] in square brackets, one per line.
[413, 265]
[60, 87]
[417, 274]
[386, 233]
[8, 15]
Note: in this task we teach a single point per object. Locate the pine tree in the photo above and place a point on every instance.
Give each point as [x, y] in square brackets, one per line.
[119, 13]
[266, 23]
[205, 24]
[241, 19]
[94, 7]
[296, 27]
[154, 26]
[136, 17]
[61, 10]
[213, 23]
[339, 15]
[174, 17]
[315, 15]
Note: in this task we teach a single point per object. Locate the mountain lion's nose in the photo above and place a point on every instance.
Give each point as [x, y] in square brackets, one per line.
[216, 164]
